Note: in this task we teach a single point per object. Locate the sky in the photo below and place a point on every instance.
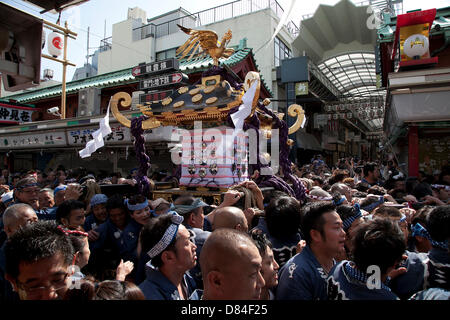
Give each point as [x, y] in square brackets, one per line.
[96, 14]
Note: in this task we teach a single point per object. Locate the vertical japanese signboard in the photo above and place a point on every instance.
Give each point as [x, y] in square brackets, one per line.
[158, 79]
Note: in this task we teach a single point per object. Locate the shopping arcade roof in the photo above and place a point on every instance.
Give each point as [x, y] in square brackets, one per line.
[353, 74]
[341, 41]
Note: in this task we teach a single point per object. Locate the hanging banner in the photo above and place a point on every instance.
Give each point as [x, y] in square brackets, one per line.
[412, 37]
[15, 114]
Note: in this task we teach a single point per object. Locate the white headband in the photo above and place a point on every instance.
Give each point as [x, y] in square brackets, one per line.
[310, 196]
[167, 238]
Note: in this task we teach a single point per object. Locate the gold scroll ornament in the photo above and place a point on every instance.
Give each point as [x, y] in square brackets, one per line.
[125, 100]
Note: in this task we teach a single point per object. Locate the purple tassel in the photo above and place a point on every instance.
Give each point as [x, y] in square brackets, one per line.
[143, 181]
[297, 190]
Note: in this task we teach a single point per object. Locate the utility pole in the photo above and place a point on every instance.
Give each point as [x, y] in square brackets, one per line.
[87, 48]
[67, 34]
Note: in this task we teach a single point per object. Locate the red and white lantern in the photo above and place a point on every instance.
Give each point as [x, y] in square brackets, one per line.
[55, 44]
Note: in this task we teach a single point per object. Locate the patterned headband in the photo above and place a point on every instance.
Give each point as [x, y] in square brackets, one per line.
[167, 238]
[348, 222]
[419, 230]
[59, 188]
[360, 276]
[138, 206]
[183, 209]
[33, 184]
[373, 205]
[440, 186]
[340, 201]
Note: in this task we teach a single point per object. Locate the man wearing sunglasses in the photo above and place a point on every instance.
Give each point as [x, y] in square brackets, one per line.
[37, 260]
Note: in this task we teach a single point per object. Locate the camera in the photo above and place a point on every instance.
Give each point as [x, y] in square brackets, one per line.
[53, 110]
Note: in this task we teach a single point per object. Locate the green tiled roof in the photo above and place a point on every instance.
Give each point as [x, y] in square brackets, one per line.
[207, 62]
[124, 77]
[100, 81]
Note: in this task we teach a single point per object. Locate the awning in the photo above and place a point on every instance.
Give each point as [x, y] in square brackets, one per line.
[422, 106]
[307, 141]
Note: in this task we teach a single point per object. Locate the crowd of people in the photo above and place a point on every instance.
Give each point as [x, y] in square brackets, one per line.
[365, 231]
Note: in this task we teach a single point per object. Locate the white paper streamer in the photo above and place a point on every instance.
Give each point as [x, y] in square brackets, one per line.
[246, 107]
[98, 135]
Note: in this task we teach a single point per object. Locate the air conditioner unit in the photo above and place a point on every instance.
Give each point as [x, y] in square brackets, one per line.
[89, 102]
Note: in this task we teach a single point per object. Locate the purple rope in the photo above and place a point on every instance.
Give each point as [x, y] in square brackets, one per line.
[177, 173]
[300, 191]
[143, 182]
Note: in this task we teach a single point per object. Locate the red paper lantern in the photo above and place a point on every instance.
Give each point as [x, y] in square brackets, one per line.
[55, 44]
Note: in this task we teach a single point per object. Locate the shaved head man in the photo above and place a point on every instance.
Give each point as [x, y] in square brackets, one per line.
[16, 216]
[239, 280]
[230, 217]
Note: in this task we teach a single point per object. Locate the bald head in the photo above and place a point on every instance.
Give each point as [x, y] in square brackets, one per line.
[16, 216]
[224, 280]
[221, 247]
[230, 217]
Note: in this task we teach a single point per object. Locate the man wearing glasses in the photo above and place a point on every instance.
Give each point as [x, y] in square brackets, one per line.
[37, 260]
[27, 191]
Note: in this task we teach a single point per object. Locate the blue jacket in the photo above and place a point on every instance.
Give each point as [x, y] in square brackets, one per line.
[47, 214]
[197, 295]
[431, 270]
[283, 248]
[157, 287]
[91, 223]
[302, 278]
[199, 239]
[125, 241]
[437, 271]
[405, 285]
[342, 285]
[432, 294]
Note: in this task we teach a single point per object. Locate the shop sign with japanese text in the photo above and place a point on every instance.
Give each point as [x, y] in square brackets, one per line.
[80, 137]
[15, 114]
[163, 80]
[156, 67]
[36, 140]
